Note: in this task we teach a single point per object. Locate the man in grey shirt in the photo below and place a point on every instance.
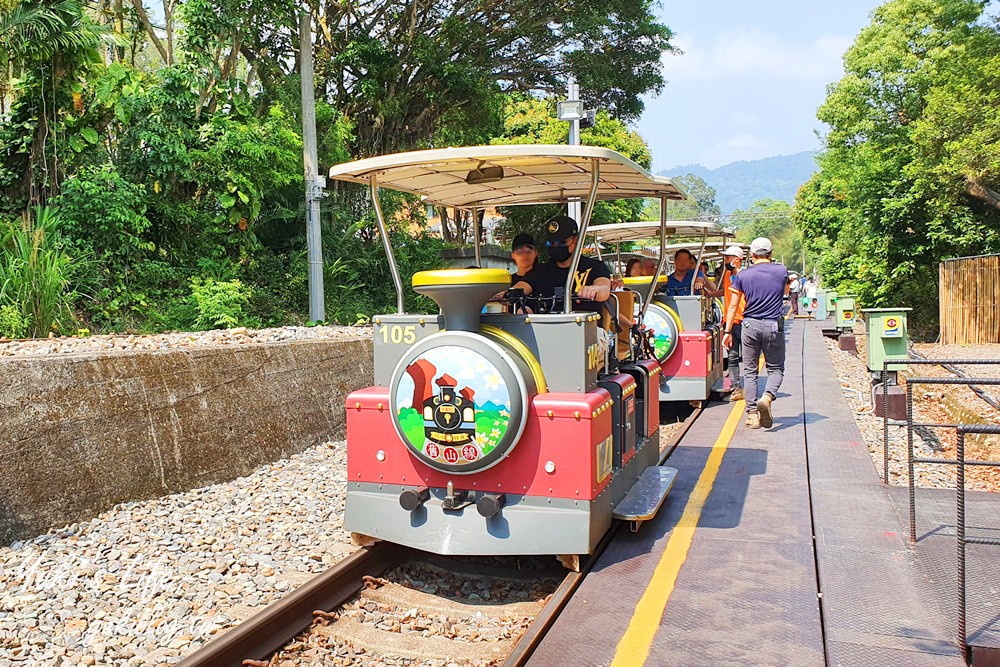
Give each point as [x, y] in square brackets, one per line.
[763, 286]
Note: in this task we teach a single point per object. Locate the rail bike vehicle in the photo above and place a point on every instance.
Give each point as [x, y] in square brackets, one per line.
[509, 432]
[687, 328]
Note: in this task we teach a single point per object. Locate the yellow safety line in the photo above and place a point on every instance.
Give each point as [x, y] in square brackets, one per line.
[633, 649]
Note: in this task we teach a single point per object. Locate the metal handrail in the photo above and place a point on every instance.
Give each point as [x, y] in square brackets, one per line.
[962, 540]
[910, 459]
[884, 375]
[582, 225]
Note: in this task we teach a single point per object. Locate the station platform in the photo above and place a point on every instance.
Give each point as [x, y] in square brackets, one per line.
[777, 547]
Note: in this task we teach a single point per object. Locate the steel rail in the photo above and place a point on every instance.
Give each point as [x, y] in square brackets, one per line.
[676, 437]
[952, 368]
[261, 635]
[961, 538]
[918, 360]
[533, 636]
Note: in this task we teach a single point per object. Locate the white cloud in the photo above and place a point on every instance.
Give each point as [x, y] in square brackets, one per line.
[757, 54]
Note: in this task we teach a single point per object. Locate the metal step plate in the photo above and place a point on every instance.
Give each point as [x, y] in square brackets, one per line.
[646, 495]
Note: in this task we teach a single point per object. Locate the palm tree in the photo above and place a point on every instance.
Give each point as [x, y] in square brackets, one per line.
[46, 44]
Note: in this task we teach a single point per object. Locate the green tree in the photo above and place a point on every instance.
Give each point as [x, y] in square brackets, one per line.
[532, 120]
[701, 202]
[899, 187]
[170, 140]
[51, 46]
[773, 219]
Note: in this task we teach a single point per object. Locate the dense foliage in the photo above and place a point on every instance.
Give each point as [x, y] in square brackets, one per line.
[529, 120]
[910, 173]
[774, 219]
[166, 147]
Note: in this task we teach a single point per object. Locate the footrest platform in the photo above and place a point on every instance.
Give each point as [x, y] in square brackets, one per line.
[646, 495]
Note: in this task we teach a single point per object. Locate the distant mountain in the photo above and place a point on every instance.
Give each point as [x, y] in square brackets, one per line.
[740, 184]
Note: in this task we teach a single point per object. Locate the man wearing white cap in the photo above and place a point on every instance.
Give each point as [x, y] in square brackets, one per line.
[733, 257]
[763, 286]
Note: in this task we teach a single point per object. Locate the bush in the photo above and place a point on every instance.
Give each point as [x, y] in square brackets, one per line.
[12, 323]
[219, 304]
[37, 273]
[106, 214]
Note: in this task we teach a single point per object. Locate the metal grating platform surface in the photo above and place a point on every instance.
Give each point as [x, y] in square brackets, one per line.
[936, 552]
[747, 591]
[878, 607]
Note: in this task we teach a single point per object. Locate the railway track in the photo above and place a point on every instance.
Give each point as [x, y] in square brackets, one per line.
[334, 605]
[356, 583]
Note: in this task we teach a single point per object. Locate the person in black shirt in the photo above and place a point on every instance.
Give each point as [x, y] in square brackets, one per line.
[592, 280]
[523, 252]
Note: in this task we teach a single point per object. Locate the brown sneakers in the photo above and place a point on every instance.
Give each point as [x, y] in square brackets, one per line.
[764, 410]
[736, 395]
[753, 420]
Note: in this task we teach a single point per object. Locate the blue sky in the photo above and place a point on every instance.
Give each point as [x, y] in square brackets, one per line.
[750, 79]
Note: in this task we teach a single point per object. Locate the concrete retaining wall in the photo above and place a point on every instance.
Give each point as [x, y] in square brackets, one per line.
[79, 433]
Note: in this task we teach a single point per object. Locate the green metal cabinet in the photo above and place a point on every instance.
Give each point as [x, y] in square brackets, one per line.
[846, 313]
[886, 336]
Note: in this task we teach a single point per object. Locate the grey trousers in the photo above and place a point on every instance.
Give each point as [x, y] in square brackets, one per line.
[762, 336]
[734, 355]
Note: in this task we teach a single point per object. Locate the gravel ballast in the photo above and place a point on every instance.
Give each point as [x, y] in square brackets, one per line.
[148, 582]
[930, 443]
[178, 340]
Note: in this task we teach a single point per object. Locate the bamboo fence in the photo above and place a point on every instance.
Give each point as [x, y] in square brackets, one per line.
[969, 291]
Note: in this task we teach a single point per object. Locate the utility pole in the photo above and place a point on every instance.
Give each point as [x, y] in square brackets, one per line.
[313, 180]
[574, 140]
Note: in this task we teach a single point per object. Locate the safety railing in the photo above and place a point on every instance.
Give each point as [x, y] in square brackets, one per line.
[960, 461]
[963, 539]
[910, 425]
[884, 376]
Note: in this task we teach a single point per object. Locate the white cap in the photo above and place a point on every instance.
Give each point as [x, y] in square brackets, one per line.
[733, 251]
[760, 246]
[793, 275]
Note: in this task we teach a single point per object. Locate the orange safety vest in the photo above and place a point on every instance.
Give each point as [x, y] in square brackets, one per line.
[727, 297]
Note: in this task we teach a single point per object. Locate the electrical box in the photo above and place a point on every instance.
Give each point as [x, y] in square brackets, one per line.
[886, 337]
[846, 312]
[831, 302]
[819, 308]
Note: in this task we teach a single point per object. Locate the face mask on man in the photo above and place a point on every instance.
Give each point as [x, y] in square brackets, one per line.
[731, 267]
[558, 250]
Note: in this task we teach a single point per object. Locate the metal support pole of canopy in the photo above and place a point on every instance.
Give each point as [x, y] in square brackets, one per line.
[475, 233]
[595, 180]
[663, 258]
[697, 262]
[387, 243]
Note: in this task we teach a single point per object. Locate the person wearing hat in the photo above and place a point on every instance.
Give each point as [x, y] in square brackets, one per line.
[522, 251]
[764, 286]
[793, 287]
[733, 257]
[592, 280]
